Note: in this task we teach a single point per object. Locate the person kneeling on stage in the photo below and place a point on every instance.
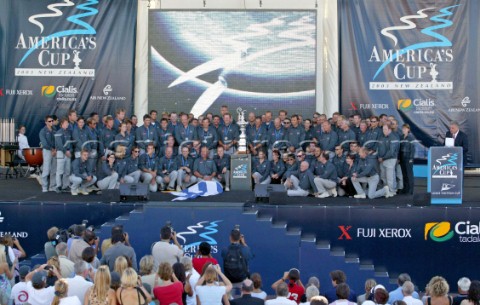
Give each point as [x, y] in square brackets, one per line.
[148, 166]
[222, 161]
[345, 183]
[82, 177]
[108, 176]
[326, 182]
[185, 176]
[204, 168]
[167, 170]
[277, 168]
[261, 169]
[301, 183]
[127, 168]
[367, 172]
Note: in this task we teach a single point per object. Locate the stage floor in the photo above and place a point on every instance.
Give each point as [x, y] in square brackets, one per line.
[28, 190]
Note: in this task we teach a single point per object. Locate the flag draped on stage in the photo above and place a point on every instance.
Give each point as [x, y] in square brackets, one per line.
[65, 55]
[415, 60]
[203, 188]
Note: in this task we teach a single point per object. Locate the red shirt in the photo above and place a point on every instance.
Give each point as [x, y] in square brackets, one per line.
[295, 292]
[169, 294]
[198, 262]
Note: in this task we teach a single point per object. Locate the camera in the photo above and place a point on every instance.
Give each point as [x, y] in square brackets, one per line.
[169, 224]
[236, 227]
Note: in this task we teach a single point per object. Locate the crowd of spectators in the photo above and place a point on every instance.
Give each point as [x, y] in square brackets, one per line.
[167, 276]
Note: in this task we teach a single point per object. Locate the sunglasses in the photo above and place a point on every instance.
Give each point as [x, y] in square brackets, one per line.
[49, 121]
[373, 121]
[136, 151]
[299, 156]
[286, 122]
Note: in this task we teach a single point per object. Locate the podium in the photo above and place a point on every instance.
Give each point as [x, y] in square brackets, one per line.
[241, 172]
[445, 175]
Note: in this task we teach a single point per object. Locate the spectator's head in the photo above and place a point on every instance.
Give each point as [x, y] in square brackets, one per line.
[342, 291]
[89, 237]
[338, 277]
[102, 282]
[53, 261]
[369, 284]
[61, 291]
[381, 296]
[81, 268]
[7, 240]
[402, 278]
[117, 236]
[282, 290]
[79, 230]
[165, 271]
[438, 286]
[408, 288]
[463, 285]
[129, 278]
[311, 292]
[204, 248]
[313, 281]
[52, 233]
[23, 271]
[235, 235]
[88, 255]
[115, 282]
[61, 249]
[187, 263]
[210, 274]
[257, 280]
[147, 265]
[293, 275]
[247, 286]
[166, 233]
[454, 127]
[179, 271]
[474, 292]
[121, 264]
[318, 300]
[39, 279]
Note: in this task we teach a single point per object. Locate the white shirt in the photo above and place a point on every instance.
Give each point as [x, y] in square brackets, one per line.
[261, 295]
[78, 286]
[22, 143]
[211, 295]
[193, 281]
[42, 296]
[70, 301]
[280, 301]
[19, 293]
[165, 252]
[410, 300]
[66, 266]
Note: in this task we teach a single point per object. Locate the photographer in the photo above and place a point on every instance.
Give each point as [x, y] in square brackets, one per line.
[235, 260]
[163, 250]
[203, 256]
[295, 287]
[78, 245]
[119, 248]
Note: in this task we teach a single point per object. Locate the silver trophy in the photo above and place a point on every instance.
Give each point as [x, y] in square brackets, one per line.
[242, 143]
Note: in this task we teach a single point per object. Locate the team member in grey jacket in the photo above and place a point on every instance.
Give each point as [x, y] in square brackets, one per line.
[301, 183]
[80, 136]
[185, 176]
[387, 155]
[208, 136]
[108, 177]
[148, 166]
[47, 140]
[326, 181]
[167, 170]
[366, 171]
[261, 169]
[132, 169]
[222, 162]
[82, 177]
[204, 168]
[63, 146]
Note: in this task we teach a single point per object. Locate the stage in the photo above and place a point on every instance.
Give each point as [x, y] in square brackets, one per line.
[368, 238]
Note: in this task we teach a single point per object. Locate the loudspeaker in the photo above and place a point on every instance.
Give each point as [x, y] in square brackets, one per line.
[133, 192]
[263, 191]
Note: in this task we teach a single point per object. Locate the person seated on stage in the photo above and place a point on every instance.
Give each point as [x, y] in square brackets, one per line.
[300, 182]
[82, 177]
[170, 143]
[204, 168]
[295, 286]
[208, 136]
[256, 137]
[277, 168]
[222, 162]
[22, 141]
[459, 138]
[127, 167]
[167, 171]
[310, 152]
[107, 175]
[261, 169]
[295, 134]
[367, 172]
[291, 164]
[107, 138]
[228, 134]
[124, 138]
[148, 166]
[63, 145]
[185, 176]
[345, 185]
[326, 180]
[328, 138]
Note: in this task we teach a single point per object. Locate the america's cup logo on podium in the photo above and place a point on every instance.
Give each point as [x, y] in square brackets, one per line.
[242, 143]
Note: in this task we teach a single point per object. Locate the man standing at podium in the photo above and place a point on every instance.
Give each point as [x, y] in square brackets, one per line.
[459, 139]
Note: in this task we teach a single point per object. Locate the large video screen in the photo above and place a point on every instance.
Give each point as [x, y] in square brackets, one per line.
[258, 60]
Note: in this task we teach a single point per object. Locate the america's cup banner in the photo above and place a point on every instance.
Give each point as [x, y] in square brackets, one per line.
[65, 54]
[415, 60]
